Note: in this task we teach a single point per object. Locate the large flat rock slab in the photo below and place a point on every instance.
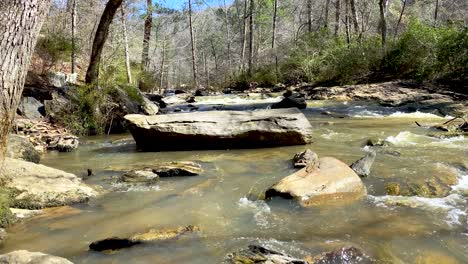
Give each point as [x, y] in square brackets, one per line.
[220, 130]
[38, 186]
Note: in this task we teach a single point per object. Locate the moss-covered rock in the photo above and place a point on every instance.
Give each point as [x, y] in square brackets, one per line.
[392, 188]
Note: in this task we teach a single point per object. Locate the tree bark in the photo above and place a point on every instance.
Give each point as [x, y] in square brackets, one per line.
[347, 26]
[73, 31]
[251, 36]
[327, 10]
[163, 62]
[399, 19]
[100, 37]
[309, 16]
[228, 35]
[436, 12]
[192, 42]
[125, 38]
[20, 23]
[244, 36]
[337, 17]
[147, 35]
[273, 39]
[383, 21]
[354, 15]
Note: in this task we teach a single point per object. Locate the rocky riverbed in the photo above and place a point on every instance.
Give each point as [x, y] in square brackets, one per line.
[408, 207]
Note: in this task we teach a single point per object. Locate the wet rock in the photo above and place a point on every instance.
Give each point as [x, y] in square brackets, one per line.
[37, 186]
[290, 102]
[31, 108]
[156, 98]
[200, 92]
[305, 158]
[149, 107]
[431, 188]
[393, 153]
[19, 147]
[392, 188]
[178, 91]
[65, 143]
[363, 165]
[375, 142]
[259, 254]
[152, 235]
[333, 180]
[190, 100]
[220, 130]
[26, 257]
[177, 169]
[348, 255]
[140, 176]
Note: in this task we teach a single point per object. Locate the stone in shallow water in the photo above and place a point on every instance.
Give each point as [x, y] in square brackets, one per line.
[305, 158]
[333, 180]
[363, 165]
[140, 176]
[220, 130]
[26, 257]
[175, 169]
[345, 255]
[153, 235]
[259, 254]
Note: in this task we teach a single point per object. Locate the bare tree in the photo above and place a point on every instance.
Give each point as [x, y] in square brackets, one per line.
[125, 39]
[436, 11]
[244, 36]
[399, 19]
[354, 15]
[251, 35]
[327, 10]
[20, 23]
[100, 38]
[73, 32]
[147, 35]
[273, 38]
[337, 17]
[309, 16]
[192, 42]
[228, 35]
[383, 21]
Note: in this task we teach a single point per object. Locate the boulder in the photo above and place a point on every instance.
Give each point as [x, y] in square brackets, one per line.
[153, 235]
[149, 107]
[26, 257]
[65, 143]
[305, 158]
[200, 92]
[363, 165]
[31, 108]
[156, 98]
[57, 107]
[259, 254]
[19, 147]
[175, 169]
[140, 176]
[220, 130]
[37, 186]
[291, 101]
[333, 180]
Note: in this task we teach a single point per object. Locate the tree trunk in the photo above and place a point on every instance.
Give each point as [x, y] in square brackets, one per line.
[244, 36]
[399, 19]
[251, 36]
[383, 21]
[100, 38]
[327, 10]
[147, 35]
[20, 23]
[192, 42]
[337, 17]
[228, 35]
[163, 61]
[273, 39]
[436, 12]
[354, 15]
[73, 39]
[347, 26]
[309, 16]
[125, 38]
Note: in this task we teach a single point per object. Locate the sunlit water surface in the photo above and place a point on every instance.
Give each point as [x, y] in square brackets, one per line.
[434, 229]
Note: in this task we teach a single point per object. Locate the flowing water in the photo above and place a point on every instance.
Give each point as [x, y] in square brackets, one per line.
[390, 229]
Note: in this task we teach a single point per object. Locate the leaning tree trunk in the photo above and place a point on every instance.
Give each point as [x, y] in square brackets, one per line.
[147, 36]
[20, 23]
[399, 19]
[100, 38]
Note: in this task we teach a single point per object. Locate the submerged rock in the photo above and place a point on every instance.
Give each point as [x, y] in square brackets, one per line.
[176, 169]
[305, 158]
[220, 130]
[345, 255]
[363, 165]
[259, 254]
[333, 180]
[19, 147]
[37, 186]
[393, 188]
[26, 257]
[140, 176]
[291, 101]
[153, 235]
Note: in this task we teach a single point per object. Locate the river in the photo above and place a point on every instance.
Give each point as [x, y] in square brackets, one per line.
[389, 229]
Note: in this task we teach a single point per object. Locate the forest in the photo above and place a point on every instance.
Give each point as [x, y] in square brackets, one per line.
[233, 131]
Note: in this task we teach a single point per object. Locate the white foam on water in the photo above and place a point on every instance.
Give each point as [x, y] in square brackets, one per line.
[462, 185]
[260, 208]
[448, 205]
[407, 138]
[384, 113]
[122, 187]
[331, 134]
[235, 100]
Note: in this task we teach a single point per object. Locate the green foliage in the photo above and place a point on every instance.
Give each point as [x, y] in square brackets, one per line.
[6, 217]
[55, 46]
[452, 57]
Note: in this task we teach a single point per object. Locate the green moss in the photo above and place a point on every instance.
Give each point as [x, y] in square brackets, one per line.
[392, 188]
[6, 217]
